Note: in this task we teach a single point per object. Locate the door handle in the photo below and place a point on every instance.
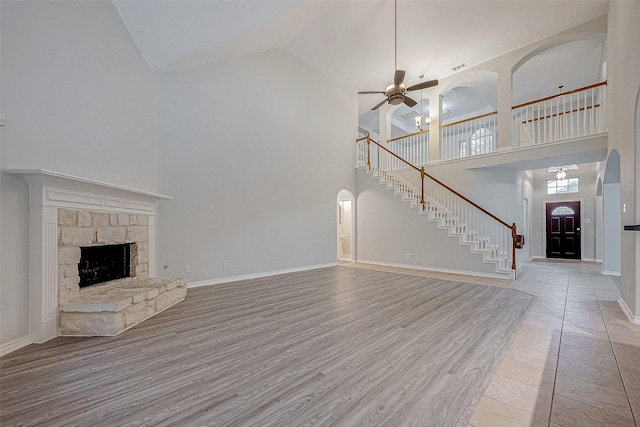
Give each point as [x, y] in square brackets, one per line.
[578, 229]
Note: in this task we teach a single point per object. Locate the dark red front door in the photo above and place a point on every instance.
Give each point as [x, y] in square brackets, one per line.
[563, 230]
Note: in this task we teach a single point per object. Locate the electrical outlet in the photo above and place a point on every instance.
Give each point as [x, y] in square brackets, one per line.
[225, 265]
[187, 269]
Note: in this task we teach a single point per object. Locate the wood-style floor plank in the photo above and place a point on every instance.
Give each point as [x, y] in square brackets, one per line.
[334, 346]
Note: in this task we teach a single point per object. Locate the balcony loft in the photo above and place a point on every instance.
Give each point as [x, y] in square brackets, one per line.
[567, 128]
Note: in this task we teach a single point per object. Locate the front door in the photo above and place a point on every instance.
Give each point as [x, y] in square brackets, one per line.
[563, 230]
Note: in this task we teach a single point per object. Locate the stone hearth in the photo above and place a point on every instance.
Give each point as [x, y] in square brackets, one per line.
[67, 212]
[113, 307]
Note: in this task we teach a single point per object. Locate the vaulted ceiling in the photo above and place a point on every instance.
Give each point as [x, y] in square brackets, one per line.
[350, 41]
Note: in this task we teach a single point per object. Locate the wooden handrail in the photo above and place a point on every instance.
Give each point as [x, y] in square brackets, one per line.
[394, 155]
[560, 114]
[468, 120]
[423, 174]
[407, 136]
[468, 201]
[445, 186]
[604, 83]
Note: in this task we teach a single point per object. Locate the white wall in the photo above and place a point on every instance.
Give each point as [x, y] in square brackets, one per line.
[612, 229]
[623, 62]
[254, 151]
[586, 195]
[498, 190]
[390, 232]
[79, 100]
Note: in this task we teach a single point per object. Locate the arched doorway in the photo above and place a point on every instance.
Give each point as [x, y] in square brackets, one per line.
[345, 229]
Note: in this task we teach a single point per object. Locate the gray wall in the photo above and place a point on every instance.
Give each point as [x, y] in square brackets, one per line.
[254, 151]
[389, 232]
[79, 100]
[623, 63]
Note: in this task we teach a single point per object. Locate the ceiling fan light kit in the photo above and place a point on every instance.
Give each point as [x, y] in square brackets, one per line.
[396, 93]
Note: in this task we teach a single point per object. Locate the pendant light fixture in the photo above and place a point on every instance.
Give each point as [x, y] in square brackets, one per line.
[421, 119]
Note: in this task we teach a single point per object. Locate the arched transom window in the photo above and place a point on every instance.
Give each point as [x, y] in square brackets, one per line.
[562, 210]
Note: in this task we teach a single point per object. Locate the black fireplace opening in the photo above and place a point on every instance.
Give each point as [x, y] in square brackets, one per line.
[100, 264]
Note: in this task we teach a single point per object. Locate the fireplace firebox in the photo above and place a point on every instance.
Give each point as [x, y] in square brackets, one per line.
[100, 264]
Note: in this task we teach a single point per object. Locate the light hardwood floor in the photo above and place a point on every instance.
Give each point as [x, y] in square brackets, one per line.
[335, 346]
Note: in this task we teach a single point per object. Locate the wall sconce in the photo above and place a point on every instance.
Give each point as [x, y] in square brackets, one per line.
[561, 174]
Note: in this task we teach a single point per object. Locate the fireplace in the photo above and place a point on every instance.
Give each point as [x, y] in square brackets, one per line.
[67, 213]
[100, 264]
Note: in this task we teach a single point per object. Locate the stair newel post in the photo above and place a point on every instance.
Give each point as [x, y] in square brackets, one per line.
[369, 151]
[422, 175]
[514, 233]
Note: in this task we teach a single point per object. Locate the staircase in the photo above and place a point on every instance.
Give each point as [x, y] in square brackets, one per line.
[484, 234]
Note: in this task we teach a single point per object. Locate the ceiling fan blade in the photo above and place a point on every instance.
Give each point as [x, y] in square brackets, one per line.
[410, 102]
[379, 105]
[398, 78]
[423, 85]
[365, 92]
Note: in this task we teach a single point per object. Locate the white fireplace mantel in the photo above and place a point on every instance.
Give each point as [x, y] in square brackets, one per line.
[50, 191]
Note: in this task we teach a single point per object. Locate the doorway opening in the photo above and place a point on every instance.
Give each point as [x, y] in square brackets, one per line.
[345, 227]
[563, 230]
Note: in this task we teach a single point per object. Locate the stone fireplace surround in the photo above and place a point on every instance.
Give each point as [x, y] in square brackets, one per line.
[67, 212]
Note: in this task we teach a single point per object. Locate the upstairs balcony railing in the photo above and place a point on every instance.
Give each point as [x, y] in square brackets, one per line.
[572, 114]
[413, 147]
[441, 199]
[470, 137]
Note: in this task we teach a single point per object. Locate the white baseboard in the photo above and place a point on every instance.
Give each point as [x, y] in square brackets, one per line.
[610, 273]
[256, 275]
[15, 345]
[436, 270]
[623, 305]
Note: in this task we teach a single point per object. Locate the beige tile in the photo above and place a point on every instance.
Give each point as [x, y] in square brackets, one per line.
[569, 413]
[587, 343]
[592, 325]
[630, 371]
[635, 405]
[626, 328]
[540, 333]
[583, 317]
[493, 413]
[627, 351]
[593, 395]
[543, 324]
[623, 338]
[548, 310]
[542, 345]
[528, 374]
[587, 356]
[590, 304]
[535, 358]
[519, 395]
[604, 377]
[586, 332]
[613, 320]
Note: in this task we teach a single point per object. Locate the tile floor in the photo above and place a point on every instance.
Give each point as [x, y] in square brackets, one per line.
[576, 359]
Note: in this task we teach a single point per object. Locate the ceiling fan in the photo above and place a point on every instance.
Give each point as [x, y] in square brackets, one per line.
[396, 93]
